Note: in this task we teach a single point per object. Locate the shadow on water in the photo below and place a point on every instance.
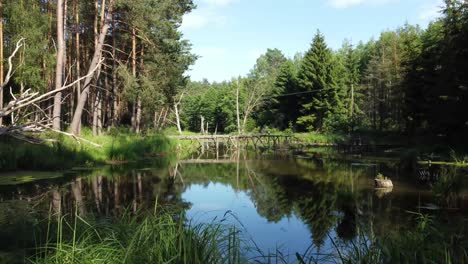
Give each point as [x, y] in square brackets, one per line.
[281, 202]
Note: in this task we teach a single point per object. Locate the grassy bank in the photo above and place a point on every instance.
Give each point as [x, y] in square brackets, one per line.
[65, 152]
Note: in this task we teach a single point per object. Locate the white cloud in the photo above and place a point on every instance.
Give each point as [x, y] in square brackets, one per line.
[209, 13]
[350, 3]
[194, 21]
[201, 18]
[430, 12]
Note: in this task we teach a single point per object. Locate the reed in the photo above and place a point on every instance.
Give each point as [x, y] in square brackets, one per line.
[158, 237]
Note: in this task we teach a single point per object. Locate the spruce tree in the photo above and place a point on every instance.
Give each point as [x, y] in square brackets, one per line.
[286, 82]
[317, 81]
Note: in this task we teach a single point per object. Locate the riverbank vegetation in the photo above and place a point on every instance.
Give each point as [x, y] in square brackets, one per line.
[145, 238]
[64, 152]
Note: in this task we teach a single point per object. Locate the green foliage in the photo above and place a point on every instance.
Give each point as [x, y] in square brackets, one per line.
[321, 138]
[26, 19]
[216, 103]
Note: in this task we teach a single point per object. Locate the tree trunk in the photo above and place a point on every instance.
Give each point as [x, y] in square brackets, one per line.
[138, 116]
[352, 101]
[202, 125]
[77, 51]
[115, 110]
[164, 118]
[134, 71]
[1, 58]
[237, 108]
[59, 66]
[138, 112]
[176, 111]
[97, 114]
[95, 61]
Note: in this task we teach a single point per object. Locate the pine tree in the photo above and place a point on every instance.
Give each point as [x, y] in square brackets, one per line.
[286, 82]
[317, 80]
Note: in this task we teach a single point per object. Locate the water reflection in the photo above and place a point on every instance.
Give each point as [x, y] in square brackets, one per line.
[282, 202]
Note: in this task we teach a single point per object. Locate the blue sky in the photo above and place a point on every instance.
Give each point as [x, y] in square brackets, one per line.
[230, 35]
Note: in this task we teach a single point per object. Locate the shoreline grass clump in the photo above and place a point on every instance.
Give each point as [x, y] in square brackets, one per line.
[64, 152]
[160, 237]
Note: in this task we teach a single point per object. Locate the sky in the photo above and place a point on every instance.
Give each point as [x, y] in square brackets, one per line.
[229, 35]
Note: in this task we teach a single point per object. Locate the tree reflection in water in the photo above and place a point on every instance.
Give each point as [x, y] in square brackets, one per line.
[331, 197]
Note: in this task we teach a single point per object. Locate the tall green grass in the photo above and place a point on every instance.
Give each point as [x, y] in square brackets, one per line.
[423, 243]
[320, 138]
[158, 237]
[65, 152]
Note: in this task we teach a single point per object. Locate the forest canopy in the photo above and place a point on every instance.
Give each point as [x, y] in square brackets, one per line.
[409, 81]
[134, 61]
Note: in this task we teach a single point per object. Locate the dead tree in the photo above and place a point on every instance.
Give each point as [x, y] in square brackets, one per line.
[75, 125]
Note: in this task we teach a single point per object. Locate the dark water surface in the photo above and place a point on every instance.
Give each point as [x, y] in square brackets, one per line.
[280, 202]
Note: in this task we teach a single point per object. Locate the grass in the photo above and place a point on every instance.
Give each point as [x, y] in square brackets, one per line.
[65, 152]
[158, 237]
[320, 138]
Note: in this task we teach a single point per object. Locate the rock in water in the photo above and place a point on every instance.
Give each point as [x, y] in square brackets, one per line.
[383, 183]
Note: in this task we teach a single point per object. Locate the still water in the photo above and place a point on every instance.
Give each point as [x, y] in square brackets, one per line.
[280, 202]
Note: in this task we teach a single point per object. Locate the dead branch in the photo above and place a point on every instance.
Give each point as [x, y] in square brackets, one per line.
[28, 98]
[19, 44]
[78, 139]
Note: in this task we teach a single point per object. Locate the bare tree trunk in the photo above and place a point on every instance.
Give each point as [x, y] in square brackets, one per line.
[59, 66]
[1, 58]
[77, 51]
[95, 61]
[202, 123]
[352, 101]
[96, 113]
[138, 110]
[99, 115]
[157, 122]
[237, 108]
[138, 116]
[115, 115]
[107, 116]
[134, 72]
[176, 111]
[164, 118]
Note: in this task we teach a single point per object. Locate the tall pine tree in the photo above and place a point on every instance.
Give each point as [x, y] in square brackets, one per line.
[320, 99]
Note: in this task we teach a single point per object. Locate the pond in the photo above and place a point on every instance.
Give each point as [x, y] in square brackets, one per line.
[281, 202]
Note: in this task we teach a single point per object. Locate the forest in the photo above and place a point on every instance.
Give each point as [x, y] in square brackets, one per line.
[97, 64]
[409, 81]
[118, 63]
[110, 152]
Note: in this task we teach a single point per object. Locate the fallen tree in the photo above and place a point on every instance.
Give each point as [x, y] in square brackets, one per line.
[27, 105]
